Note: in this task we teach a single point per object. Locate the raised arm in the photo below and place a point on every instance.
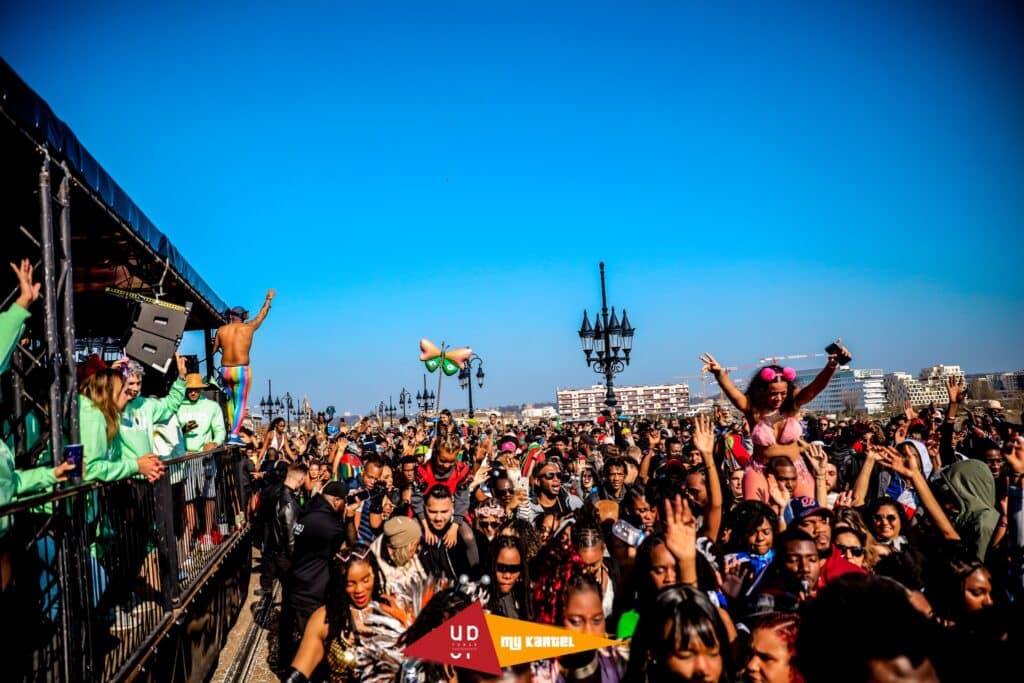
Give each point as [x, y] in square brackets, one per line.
[807, 394]
[704, 441]
[860, 487]
[911, 471]
[258, 320]
[735, 396]
[957, 395]
[818, 460]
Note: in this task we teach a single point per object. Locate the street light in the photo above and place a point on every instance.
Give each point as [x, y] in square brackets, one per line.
[389, 409]
[607, 344]
[289, 407]
[405, 400]
[425, 400]
[466, 377]
[270, 405]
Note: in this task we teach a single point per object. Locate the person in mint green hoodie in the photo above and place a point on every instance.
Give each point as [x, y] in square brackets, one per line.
[101, 401]
[15, 482]
[202, 422]
[141, 414]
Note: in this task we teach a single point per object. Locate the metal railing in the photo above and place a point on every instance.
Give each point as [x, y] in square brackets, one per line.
[93, 574]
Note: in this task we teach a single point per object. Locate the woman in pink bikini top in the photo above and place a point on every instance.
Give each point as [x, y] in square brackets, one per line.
[772, 404]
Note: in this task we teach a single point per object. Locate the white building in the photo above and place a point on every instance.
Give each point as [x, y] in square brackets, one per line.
[544, 412]
[648, 399]
[928, 387]
[849, 390]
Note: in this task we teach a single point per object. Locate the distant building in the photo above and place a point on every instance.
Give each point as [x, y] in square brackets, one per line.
[928, 387]
[542, 413]
[1003, 382]
[850, 390]
[648, 399]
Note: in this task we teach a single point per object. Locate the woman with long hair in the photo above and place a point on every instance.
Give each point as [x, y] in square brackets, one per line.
[772, 405]
[335, 631]
[680, 638]
[101, 400]
[510, 579]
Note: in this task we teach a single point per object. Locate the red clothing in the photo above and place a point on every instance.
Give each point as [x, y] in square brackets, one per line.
[835, 566]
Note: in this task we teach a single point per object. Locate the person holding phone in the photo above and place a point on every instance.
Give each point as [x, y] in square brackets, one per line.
[202, 423]
[772, 405]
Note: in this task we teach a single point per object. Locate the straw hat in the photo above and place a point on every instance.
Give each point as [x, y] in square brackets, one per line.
[194, 380]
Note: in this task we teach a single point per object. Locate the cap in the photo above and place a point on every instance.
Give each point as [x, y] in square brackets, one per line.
[401, 531]
[804, 506]
[338, 489]
[239, 311]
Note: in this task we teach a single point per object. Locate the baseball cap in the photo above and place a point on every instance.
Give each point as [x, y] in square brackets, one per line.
[803, 506]
[338, 489]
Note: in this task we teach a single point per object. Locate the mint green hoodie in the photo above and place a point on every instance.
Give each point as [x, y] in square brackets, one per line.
[140, 418]
[210, 426]
[102, 460]
[13, 482]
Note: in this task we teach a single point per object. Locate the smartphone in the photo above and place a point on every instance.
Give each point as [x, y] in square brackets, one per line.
[73, 453]
[833, 348]
[358, 496]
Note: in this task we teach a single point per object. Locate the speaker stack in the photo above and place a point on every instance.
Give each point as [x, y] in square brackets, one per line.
[155, 335]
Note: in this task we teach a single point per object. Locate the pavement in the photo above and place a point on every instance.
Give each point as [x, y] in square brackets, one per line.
[256, 629]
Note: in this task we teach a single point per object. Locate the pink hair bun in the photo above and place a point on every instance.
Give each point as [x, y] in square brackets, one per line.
[767, 374]
[789, 374]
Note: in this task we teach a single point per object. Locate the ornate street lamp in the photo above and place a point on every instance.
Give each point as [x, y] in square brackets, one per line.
[405, 400]
[607, 344]
[466, 377]
[425, 400]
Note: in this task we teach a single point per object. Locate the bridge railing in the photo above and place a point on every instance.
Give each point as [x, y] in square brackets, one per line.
[92, 575]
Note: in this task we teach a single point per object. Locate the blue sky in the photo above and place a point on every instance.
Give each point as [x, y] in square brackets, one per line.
[758, 177]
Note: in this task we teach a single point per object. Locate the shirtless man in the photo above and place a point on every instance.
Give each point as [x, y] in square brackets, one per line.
[234, 341]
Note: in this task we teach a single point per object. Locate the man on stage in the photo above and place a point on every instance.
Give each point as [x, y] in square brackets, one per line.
[234, 341]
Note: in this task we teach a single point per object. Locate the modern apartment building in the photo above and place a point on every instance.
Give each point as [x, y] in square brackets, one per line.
[850, 390]
[648, 399]
[928, 387]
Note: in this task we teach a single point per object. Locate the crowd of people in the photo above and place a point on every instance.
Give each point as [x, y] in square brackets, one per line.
[756, 543]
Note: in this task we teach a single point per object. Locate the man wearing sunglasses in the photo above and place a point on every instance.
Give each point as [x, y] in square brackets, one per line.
[816, 522]
[548, 495]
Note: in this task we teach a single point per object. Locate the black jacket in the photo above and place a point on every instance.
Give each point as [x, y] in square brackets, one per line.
[280, 532]
[318, 535]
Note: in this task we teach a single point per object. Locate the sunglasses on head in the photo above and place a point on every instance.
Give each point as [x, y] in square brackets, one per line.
[854, 550]
[358, 553]
[502, 568]
[885, 518]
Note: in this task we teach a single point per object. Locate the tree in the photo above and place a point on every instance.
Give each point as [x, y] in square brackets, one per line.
[850, 399]
[981, 389]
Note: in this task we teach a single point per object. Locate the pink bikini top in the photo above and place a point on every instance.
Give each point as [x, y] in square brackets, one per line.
[763, 433]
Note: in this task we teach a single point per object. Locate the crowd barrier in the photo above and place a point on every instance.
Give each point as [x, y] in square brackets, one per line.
[104, 582]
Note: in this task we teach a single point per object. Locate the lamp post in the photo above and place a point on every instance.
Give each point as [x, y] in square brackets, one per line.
[603, 343]
[389, 409]
[289, 407]
[466, 377]
[405, 400]
[270, 405]
[425, 400]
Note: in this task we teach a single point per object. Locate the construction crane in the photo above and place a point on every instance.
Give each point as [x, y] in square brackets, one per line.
[774, 360]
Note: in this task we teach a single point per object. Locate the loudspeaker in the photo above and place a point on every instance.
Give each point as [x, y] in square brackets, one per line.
[163, 322]
[155, 335]
[150, 350]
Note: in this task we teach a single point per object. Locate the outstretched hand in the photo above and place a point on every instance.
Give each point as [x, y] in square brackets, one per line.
[680, 528]
[957, 393]
[29, 291]
[710, 364]
[817, 458]
[703, 435]
[904, 465]
[271, 293]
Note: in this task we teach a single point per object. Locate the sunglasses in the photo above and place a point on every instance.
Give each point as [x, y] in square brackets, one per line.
[854, 550]
[358, 553]
[551, 475]
[488, 525]
[503, 491]
[885, 518]
[502, 568]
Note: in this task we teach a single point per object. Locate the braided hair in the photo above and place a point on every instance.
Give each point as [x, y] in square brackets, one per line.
[338, 602]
